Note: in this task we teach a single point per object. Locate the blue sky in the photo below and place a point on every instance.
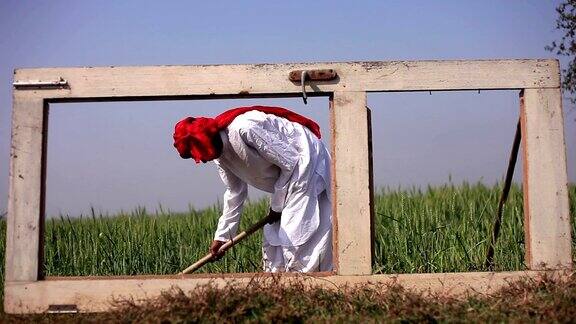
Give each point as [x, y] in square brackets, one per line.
[118, 155]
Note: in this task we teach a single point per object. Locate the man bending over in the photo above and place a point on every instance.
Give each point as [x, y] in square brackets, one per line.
[277, 151]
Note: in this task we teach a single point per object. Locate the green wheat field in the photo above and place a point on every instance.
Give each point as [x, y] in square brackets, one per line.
[437, 229]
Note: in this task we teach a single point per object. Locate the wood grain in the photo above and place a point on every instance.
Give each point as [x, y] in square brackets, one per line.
[351, 192]
[546, 209]
[25, 196]
[138, 82]
[98, 295]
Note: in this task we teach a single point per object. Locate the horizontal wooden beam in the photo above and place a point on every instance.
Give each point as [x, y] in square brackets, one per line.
[96, 295]
[267, 79]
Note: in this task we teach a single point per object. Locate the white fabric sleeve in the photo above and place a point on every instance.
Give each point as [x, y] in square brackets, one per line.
[275, 148]
[234, 197]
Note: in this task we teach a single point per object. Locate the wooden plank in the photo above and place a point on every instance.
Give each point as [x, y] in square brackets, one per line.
[25, 194]
[265, 79]
[97, 295]
[546, 210]
[351, 184]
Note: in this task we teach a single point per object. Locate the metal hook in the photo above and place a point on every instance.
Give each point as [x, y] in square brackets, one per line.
[302, 79]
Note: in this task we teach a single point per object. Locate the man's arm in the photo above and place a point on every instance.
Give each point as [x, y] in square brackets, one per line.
[233, 203]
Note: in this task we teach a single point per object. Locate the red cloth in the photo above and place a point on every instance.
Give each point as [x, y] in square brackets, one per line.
[193, 136]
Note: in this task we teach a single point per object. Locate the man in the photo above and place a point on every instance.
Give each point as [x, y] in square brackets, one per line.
[277, 151]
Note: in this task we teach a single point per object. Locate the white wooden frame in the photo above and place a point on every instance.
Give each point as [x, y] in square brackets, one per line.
[548, 242]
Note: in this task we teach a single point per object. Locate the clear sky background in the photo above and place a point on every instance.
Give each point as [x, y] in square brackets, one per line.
[116, 156]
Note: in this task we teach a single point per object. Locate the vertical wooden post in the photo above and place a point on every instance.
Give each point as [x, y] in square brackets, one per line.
[546, 210]
[25, 201]
[351, 183]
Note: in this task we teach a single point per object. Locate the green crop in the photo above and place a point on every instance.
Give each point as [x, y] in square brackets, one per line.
[439, 229]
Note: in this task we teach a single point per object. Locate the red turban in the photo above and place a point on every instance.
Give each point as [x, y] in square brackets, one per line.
[193, 136]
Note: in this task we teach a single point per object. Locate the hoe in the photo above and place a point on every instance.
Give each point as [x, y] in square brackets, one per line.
[226, 246]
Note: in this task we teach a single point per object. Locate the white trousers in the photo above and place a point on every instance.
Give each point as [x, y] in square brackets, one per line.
[313, 256]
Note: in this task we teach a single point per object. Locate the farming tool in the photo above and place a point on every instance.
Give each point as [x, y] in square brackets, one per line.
[271, 218]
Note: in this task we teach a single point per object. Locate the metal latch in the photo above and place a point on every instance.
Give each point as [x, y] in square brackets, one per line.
[60, 83]
[62, 309]
[311, 75]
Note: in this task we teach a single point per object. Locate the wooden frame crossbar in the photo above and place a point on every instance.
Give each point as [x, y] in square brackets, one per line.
[547, 219]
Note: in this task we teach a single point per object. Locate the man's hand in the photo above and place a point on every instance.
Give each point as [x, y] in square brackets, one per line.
[273, 216]
[214, 247]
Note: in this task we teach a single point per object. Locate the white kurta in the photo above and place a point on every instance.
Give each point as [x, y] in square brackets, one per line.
[287, 160]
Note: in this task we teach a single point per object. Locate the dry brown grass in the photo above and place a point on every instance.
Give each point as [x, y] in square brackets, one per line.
[529, 300]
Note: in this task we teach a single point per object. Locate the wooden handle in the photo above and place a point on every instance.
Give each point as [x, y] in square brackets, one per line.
[226, 246]
[198, 264]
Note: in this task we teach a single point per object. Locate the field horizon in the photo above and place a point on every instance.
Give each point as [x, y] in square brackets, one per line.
[434, 229]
